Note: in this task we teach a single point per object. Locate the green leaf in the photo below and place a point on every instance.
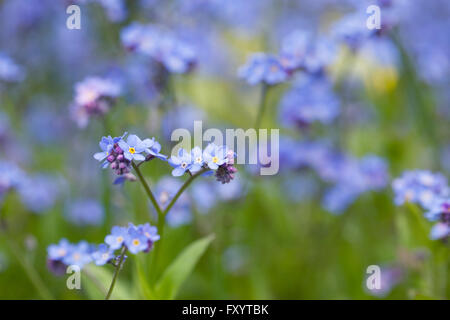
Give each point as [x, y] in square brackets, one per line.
[183, 265]
[96, 281]
[141, 281]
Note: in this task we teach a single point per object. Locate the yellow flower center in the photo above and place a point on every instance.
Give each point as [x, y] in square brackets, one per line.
[198, 160]
[132, 150]
[215, 159]
[76, 256]
[61, 252]
[184, 165]
[136, 242]
[119, 239]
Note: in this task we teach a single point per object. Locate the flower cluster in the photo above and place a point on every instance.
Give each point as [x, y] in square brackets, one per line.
[431, 191]
[118, 153]
[440, 211]
[263, 68]
[299, 51]
[349, 177]
[213, 157]
[163, 47]
[94, 96]
[134, 238]
[419, 186]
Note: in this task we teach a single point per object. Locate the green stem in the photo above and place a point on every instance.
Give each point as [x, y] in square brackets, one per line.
[162, 217]
[116, 273]
[262, 105]
[147, 189]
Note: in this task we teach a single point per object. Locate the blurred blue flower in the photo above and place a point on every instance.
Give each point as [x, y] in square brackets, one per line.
[162, 46]
[311, 99]
[39, 192]
[60, 250]
[9, 70]
[300, 50]
[85, 212]
[419, 186]
[102, 255]
[79, 254]
[263, 68]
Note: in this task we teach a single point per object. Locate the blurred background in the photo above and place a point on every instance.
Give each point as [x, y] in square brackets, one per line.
[356, 108]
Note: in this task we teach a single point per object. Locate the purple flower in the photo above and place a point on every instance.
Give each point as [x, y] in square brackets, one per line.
[226, 171]
[106, 145]
[93, 96]
[263, 68]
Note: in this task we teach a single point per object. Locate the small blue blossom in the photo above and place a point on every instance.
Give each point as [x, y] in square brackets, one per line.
[116, 239]
[181, 163]
[197, 159]
[153, 149]
[263, 68]
[440, 230]
[133, 147]
[102, 255]
[215, 156]
[135, 240]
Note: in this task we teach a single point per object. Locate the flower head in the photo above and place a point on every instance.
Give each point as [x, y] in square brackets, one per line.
[215, 156]
[102, 255]
[181, 163]
[93, 96]
[133, 147]
[116, 239]
[263, 68]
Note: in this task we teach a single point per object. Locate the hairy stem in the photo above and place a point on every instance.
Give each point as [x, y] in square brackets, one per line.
[116, 273]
